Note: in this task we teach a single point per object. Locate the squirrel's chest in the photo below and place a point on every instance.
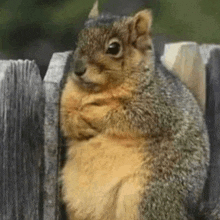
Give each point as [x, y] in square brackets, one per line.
[104, 176]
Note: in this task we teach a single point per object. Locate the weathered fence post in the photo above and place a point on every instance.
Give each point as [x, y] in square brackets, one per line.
[205, 51]
[213, 123]
[21, 141]
[59, 65]
[185, 61]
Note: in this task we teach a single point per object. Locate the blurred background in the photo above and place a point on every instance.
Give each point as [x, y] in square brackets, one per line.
[35, 29]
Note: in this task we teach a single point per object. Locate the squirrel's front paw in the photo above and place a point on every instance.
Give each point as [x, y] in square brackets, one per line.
[84, 130]
[75, 127]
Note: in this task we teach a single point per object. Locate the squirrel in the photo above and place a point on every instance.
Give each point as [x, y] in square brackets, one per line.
[137, 143]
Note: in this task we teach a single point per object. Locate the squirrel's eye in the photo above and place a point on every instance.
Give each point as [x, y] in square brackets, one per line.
[113, 48]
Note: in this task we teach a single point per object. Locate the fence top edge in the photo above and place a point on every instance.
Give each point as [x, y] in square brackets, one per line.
[206, 49]
[182, 43]
[5, 64]
[57, 67]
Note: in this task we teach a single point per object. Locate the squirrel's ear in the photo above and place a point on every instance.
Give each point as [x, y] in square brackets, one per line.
[143, 21]
[141, 28]
[94, 13]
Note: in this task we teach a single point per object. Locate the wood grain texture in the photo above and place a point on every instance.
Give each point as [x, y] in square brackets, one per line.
[185, 61]
[58, 66]
[212, 190]
[205, 51]
[21, 140]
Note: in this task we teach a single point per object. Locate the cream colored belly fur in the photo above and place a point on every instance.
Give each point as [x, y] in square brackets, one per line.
[104, 178]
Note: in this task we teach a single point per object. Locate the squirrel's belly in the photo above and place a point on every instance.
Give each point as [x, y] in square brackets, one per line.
[104, 179]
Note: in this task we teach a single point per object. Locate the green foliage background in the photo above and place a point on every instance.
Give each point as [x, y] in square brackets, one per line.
[23, 21]
[194, 20]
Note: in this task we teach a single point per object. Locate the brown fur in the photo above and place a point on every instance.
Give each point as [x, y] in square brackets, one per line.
[126, 142]
[109, 178]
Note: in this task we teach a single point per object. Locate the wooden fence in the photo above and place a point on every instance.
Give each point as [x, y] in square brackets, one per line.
[31, 143]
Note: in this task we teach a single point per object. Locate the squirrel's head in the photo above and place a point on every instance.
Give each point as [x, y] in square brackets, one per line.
[112, 48]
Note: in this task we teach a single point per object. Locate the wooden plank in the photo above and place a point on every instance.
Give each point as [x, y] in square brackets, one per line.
[205, 51]
[186, 62]
[58, 66]
[21, 140]
[212, 190]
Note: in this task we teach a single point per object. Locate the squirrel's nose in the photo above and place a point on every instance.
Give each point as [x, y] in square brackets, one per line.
[79, 67]
[80, 73]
